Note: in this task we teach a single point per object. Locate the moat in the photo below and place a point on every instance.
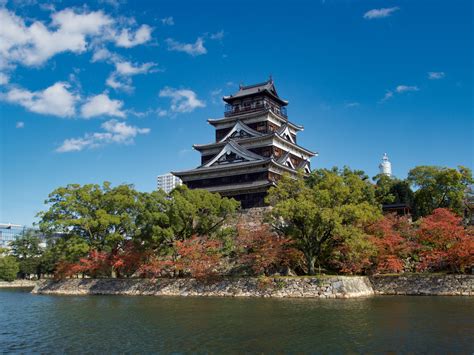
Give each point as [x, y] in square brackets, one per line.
[105, 324]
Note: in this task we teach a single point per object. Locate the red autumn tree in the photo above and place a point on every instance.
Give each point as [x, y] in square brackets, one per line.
[393, 237]
[445, 243]
[264, 252]
[157, 266]
[198, 256]
[126, 261]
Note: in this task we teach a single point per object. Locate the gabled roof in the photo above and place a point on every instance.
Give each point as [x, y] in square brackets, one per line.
[241, 127]
[267, 87]
[234, 148]
[304, 164]
[284, 132]
[285, 160]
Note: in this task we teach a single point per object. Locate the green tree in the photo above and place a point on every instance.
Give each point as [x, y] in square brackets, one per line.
[324, 210]
[165, 219]
[28, 252]
[390, 190]
[101, 216]
[9, 268]
[439, 187]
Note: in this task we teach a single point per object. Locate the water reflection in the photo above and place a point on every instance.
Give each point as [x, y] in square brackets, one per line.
[152, 324]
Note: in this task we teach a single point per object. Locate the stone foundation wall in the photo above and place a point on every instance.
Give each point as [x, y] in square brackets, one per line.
[18, 284]
[305, 287]
[320, 287]
[424, 284]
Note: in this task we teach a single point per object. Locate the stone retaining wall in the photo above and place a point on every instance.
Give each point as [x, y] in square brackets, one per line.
[424, 284]
[320, 287]
[314, 287]
[18, 284]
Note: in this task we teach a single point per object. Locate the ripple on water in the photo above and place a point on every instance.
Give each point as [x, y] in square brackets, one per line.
[94, 324]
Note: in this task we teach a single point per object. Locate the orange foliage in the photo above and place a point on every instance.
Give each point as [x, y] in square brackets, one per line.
[198, 256]
[393, 239]
[445, 243]
[264, 252]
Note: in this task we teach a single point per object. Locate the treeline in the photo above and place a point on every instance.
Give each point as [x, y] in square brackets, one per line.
[329, 222]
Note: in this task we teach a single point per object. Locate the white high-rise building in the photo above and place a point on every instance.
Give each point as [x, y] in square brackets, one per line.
[168, 182]
[385, 166]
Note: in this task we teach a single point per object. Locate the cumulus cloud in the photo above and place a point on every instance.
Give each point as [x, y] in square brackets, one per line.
[55, 100]
[436, 75]
[69, 30]
[20, 124]
[168, 21]
[182, 100]
[380, 13]
[128, 38]
[120, 79]
[102, 105]
[193, 49]
[113, 132]
[35, 44]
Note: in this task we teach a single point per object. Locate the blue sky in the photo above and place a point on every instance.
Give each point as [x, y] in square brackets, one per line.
[119, 91]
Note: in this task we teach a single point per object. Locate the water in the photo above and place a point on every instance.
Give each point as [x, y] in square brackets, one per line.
[105, 324]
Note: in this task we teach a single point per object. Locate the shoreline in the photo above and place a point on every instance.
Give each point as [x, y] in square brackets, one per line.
[18, 284]
[278, 287]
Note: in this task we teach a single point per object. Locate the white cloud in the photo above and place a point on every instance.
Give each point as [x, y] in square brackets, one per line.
[400, 89]
[127, 68]
[4, 78]
[35, 44]
[114, 132]
[352, 104]
[388, 95]
[380, 13]
[128, 38]
[182, 100]
[193, 49]
[55, 100]
[217, 36]
[20, 124]
[168, 21]
[436, 75]
[69, 30]
[102, 105]
[119, 83]
[404, 88]
[120, 78]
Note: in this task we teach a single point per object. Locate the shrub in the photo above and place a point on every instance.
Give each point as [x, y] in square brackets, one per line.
[9, 268]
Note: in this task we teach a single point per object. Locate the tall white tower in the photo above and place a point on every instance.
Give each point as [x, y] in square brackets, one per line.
[385, 166]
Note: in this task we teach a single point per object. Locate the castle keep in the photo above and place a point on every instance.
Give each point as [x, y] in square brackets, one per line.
[255, 144]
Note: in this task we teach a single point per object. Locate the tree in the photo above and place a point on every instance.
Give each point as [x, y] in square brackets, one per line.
[9, 268]
[394, 239]
[323, 211]
[439, 187]
[445, 243]
[265, 252]
[390, 190]
[28, 252]
[101, 216]
[198, 256]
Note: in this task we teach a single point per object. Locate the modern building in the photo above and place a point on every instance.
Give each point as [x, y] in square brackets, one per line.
[385, 166]
[8, 233]
[167, 182]
[255, 144]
